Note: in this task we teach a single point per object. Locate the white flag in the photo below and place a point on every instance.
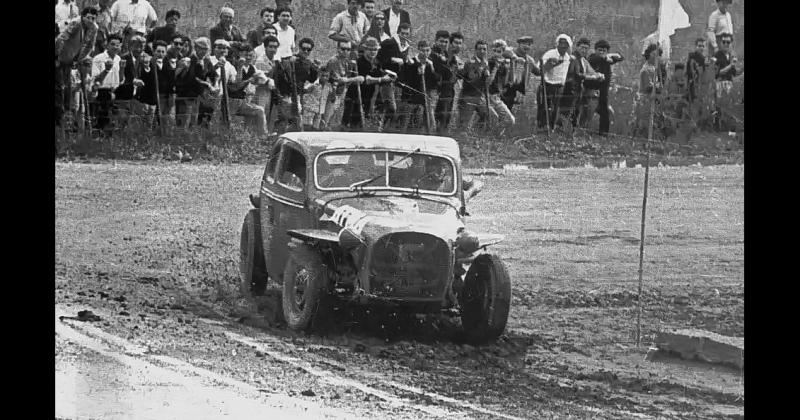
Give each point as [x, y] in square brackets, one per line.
[671, 16]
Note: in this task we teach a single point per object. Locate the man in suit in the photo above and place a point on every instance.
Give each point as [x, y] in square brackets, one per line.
[395, 15]
[391, 56]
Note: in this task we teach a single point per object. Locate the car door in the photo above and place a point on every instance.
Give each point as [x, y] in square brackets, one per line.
[287, 199]
[267, 206]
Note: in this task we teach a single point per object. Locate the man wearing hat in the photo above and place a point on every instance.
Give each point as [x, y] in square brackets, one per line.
[555, 66]
[521, 70]
[225, 29]
[225, 72]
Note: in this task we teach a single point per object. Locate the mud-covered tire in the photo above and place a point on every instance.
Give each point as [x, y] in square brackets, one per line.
[485, 299]
[305, 271]
[252, 269]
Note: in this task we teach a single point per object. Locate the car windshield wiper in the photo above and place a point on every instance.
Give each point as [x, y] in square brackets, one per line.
[367, 181]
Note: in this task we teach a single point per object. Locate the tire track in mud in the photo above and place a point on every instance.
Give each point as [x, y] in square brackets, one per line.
[165, 369]
[262, 344]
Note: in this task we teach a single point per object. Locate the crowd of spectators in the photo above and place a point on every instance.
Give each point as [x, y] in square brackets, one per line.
[114, 65]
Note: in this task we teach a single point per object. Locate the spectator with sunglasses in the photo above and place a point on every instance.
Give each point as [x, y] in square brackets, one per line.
[341, 73]
[719, 23]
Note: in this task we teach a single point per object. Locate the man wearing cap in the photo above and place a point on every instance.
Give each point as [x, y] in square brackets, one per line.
[225, 29]
[719, 22]
[132, 17]
[521, 76]
[555, 66]
[602, 61]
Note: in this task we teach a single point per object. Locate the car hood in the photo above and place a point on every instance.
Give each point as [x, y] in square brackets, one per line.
[378, 216]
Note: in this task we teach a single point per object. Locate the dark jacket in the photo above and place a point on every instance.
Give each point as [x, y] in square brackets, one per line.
[166, 78]
[409, 75]
[75, 43]
[404, 17]
[474, 77]
[601, 65]
[163, 33]
[304, 70]
[390, 49]
[186, 84]
[723, 60]
[125, 90]
[217, 32]
[365, 68]
[240, 93]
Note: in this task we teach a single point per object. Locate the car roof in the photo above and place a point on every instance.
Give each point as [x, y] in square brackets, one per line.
[318, 141]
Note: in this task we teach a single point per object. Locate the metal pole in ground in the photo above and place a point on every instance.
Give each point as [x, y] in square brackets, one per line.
[644, 202]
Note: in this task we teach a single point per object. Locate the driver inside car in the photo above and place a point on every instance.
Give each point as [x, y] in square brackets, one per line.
[437, 176]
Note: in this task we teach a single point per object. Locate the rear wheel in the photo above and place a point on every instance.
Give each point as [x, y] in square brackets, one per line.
[485, 299]
[305, 287]
[252, 269]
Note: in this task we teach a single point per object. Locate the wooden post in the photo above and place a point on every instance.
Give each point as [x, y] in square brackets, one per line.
[644, 203]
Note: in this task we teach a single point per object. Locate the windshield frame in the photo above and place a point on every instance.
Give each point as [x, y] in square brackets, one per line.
[385, 187]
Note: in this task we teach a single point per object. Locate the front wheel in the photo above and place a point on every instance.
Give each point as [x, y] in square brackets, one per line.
[304, 287]
[485, 299]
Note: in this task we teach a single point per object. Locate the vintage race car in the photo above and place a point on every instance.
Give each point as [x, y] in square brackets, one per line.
[371, 218]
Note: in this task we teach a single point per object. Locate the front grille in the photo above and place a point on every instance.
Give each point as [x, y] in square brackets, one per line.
[409, 265]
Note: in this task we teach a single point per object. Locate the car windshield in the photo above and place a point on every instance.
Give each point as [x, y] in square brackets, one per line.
[341, 169]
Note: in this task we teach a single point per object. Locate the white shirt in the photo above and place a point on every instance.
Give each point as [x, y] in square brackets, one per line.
[720, 23]
[124, 13]
[66, 13]
[558, 74]
[394, 22]
[230, 72]
[343, 24]
[99, 65]
[286, 38]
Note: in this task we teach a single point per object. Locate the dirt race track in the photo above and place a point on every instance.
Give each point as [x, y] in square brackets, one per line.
[153, 250]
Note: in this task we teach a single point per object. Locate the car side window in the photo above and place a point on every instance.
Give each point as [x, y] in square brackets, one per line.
[292, 169]
[269, 172]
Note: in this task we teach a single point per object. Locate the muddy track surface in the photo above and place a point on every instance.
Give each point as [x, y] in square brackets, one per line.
[152, 251]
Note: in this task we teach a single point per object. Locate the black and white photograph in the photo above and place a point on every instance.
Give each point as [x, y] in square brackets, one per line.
[399, 209]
